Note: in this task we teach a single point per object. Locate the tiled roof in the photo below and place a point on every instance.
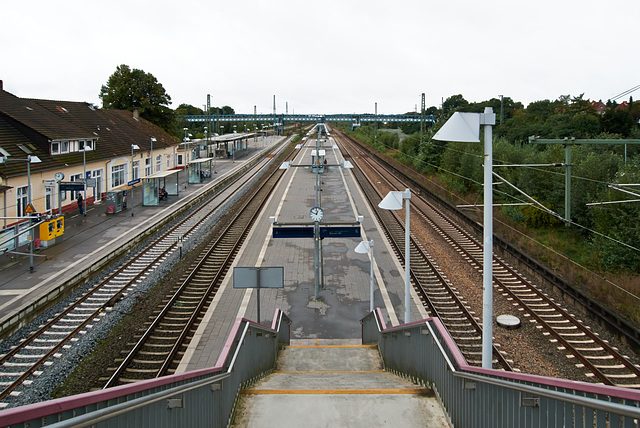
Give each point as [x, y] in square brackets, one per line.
[32, 115]
[39, 121]
[18, 146]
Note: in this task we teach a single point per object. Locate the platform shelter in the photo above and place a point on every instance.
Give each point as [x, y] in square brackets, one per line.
[200, 169]
[153, 184]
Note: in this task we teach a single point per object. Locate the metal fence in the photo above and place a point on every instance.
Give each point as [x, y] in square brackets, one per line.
[475, 397]
[194, 399]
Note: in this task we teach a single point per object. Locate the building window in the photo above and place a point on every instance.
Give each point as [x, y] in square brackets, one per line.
[136, 170]
[147, 167]
[48, 198]
[74, 194]
[180, 160]
[117, 176]
[158, 163]
[59, 147]
[22, 200]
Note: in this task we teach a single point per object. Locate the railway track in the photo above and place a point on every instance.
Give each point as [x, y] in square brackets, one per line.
[21, 366]
[161, 346]
[598, 361]
[439, 297]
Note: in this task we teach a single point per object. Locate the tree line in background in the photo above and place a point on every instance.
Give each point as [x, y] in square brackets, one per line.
[609, 235]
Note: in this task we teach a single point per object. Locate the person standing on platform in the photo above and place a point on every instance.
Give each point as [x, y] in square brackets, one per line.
[80, 207]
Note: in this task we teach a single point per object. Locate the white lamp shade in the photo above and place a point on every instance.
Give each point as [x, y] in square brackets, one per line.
[393, 201]
[135, 147]
[460, 128]
[363, 247]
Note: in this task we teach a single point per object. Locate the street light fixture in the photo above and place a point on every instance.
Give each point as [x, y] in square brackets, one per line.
[465, 128]
[133, 147]
[151, 155]
[363, 248]
[29, 160]
[393, 201]
[84, 178]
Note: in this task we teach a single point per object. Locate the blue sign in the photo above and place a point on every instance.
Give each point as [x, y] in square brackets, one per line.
[293, 232]
[132, 182]
[340, 232]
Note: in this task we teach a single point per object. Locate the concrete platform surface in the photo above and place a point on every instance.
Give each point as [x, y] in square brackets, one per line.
[336, 386]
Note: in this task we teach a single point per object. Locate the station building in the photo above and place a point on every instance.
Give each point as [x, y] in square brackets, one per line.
[70, 142]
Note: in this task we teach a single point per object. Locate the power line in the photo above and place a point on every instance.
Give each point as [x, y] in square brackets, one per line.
[627, 92]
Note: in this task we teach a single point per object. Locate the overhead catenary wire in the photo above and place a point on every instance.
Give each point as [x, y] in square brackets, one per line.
[616, 286]
[624, 93]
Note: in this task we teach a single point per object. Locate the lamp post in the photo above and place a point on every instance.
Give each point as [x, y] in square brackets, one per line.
[363, 248]
[465, 128]
[151, 155]
[29, 160]
[84, 179]
[393, 201]
[133, 147]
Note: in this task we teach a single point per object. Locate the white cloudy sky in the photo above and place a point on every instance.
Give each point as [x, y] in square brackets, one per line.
[332, 56]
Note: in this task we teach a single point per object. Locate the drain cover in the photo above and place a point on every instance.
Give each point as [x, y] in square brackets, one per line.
[508, 321]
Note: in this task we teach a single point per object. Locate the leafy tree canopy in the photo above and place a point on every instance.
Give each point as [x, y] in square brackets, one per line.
[131, 89]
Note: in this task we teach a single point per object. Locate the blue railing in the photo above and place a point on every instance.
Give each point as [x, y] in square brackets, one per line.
[475, 397]
[314, 118]
[193, 399]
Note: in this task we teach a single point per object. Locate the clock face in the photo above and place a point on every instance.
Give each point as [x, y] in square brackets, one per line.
[316, 213]
[59, 176]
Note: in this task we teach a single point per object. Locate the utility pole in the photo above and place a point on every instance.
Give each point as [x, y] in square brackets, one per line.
[422, 121]
[375, 135]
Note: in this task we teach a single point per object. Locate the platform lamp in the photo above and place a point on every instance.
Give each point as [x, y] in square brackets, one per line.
[363, 248]
[84, 174]
[133, 147]
[151, 156]
[465, 128]
[393, 201]
[29, 160]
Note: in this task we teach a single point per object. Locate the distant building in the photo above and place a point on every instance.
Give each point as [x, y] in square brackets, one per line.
[599, 107]
[70, 138]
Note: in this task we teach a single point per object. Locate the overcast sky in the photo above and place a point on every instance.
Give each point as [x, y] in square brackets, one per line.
[332, 56]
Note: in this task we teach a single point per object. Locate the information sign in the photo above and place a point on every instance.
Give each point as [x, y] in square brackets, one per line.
[71, 186]
[293, 232]
[340, 232]
[258, 277]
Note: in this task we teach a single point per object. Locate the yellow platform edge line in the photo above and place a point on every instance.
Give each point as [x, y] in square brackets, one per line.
[414, 391]
[330, 346]
[327, 371]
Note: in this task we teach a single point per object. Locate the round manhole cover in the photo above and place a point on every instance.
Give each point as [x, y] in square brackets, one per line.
[508, 321]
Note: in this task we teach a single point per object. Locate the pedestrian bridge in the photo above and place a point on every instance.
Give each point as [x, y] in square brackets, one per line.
[421, 352]
[313, 118]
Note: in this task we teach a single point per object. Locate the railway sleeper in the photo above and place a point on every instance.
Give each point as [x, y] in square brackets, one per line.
[144, 362]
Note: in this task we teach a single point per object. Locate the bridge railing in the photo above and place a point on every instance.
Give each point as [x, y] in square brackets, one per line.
[315, 118]
[193, 399]
[425, 353]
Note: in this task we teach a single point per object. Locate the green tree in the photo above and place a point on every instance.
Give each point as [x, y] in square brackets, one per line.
[453, 103]
[133, 89]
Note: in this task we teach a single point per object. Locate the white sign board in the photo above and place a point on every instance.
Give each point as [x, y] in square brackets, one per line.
[258, 277]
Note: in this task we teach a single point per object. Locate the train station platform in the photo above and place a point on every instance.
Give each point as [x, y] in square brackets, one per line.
[343, 298]
[90, 240]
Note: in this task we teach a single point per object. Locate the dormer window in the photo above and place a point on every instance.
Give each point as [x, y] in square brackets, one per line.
[71, 146]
